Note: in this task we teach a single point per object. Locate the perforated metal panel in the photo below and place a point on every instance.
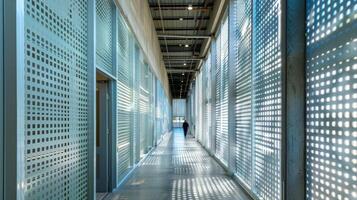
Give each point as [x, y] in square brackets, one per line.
[267, 99]
[56, 83]
[163, 112]
[151, 109]
[144, 107]
[222, 93]
[124, 99]
[207, 99]
[218, 84]
[199, 105]
[331, 86]
[240, 17]
[104, 33]
[136, 98]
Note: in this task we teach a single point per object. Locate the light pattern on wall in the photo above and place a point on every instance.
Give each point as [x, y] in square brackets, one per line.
[267, 105]
[331, 76]
[56, 105]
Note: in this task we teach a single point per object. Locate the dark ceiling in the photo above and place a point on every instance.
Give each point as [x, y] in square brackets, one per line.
[178, 23]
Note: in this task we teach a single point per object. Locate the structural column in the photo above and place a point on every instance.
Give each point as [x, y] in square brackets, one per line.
[294, 138]
[1, 103]
[14, 100]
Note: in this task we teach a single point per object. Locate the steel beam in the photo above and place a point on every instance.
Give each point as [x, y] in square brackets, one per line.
[180, 5]
[184, 36]
[181, 29]
[213, 24]
[173, 71]
[182, 59]
[180, 18]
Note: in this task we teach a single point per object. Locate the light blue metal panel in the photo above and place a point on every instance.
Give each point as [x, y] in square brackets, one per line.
[124, 99]
[331, 96]
[105, 23]
[56, 99]
[240, 52]
[143, 108]
[136, 111]
[267, 99]
[207, 101]
[151, 110]
[218, 94]
[222, 93]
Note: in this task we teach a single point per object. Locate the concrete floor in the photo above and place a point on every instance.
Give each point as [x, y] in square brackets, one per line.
[179, 169]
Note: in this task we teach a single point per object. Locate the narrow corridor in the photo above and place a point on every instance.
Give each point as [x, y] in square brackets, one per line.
[179, 169]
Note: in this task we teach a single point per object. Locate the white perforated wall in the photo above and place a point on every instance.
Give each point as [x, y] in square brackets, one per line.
[331, 87]
[124, 99]
[222, 92]
[104, 34]
[56, 106]
[267, 105]
[241, 52]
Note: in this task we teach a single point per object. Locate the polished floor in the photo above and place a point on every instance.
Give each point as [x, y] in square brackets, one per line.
[179, 169]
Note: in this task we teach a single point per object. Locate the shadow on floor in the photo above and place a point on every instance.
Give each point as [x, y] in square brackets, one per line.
[179, 169]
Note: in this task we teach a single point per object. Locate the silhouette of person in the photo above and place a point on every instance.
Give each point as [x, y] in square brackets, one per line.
[185, 127]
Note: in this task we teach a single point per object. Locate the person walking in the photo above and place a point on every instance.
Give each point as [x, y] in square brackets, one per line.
[185, 126]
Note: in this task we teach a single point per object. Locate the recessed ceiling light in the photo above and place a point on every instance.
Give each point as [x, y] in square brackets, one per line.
[183, 74]
[181, 19]
[186, 45]
[184, 64]
[189, 7]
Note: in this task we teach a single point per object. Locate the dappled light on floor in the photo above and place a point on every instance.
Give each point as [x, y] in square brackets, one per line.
[179, 169]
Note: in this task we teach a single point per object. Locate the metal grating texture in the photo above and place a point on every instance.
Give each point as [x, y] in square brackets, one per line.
[331, 87]
[163, 112]
[56, 82]
[159, 111]
[267, 99]
[104, 33]
[124, 99]
[241, 51]
[207, 95]
[198, 111]
[222, 93]
[218, 74]
[151, 109]
[136, 99]
[144, 97]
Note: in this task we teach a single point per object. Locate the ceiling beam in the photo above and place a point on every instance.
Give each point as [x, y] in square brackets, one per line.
[180, 7]
[182, 36]
[180, 29]
[179, 18]
[184, 57]
[175, 71]
[179, 60]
